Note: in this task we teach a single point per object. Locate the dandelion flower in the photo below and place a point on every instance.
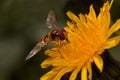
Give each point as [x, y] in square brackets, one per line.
[88, 35]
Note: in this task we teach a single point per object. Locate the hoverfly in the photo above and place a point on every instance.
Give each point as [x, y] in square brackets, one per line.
[52, 35]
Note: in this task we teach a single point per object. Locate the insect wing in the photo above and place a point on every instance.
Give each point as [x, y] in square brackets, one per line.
[36, 49]
[51, 20]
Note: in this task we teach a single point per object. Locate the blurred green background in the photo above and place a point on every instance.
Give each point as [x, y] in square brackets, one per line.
[23, 24]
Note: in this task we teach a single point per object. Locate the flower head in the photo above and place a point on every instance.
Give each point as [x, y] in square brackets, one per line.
[88, 35]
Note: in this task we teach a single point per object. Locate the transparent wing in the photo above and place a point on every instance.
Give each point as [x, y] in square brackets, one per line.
[51, 23]
[51, 20]
[36, 49]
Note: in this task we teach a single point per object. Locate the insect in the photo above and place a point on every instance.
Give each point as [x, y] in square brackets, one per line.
[54, 34]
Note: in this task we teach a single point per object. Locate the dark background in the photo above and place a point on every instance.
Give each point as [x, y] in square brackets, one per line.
[23, 24]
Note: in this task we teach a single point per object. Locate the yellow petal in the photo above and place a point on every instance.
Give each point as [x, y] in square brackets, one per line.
[82, 17]
[112, 42]
[72, 16]
[100, 51]
[51, 74]
[62, 72]
[54, 52]
[111, 3]
[104, 19]
[46, 63]
[74, 73]
[54, 62]
[89, 68]
[92, 14]
[114, 28]
[99, 62]
[84, 73]
[71, 25]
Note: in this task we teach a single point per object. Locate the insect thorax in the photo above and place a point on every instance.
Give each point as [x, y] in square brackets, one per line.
[57, 34]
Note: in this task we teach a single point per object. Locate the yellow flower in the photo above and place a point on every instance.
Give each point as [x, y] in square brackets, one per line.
[88, 35]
